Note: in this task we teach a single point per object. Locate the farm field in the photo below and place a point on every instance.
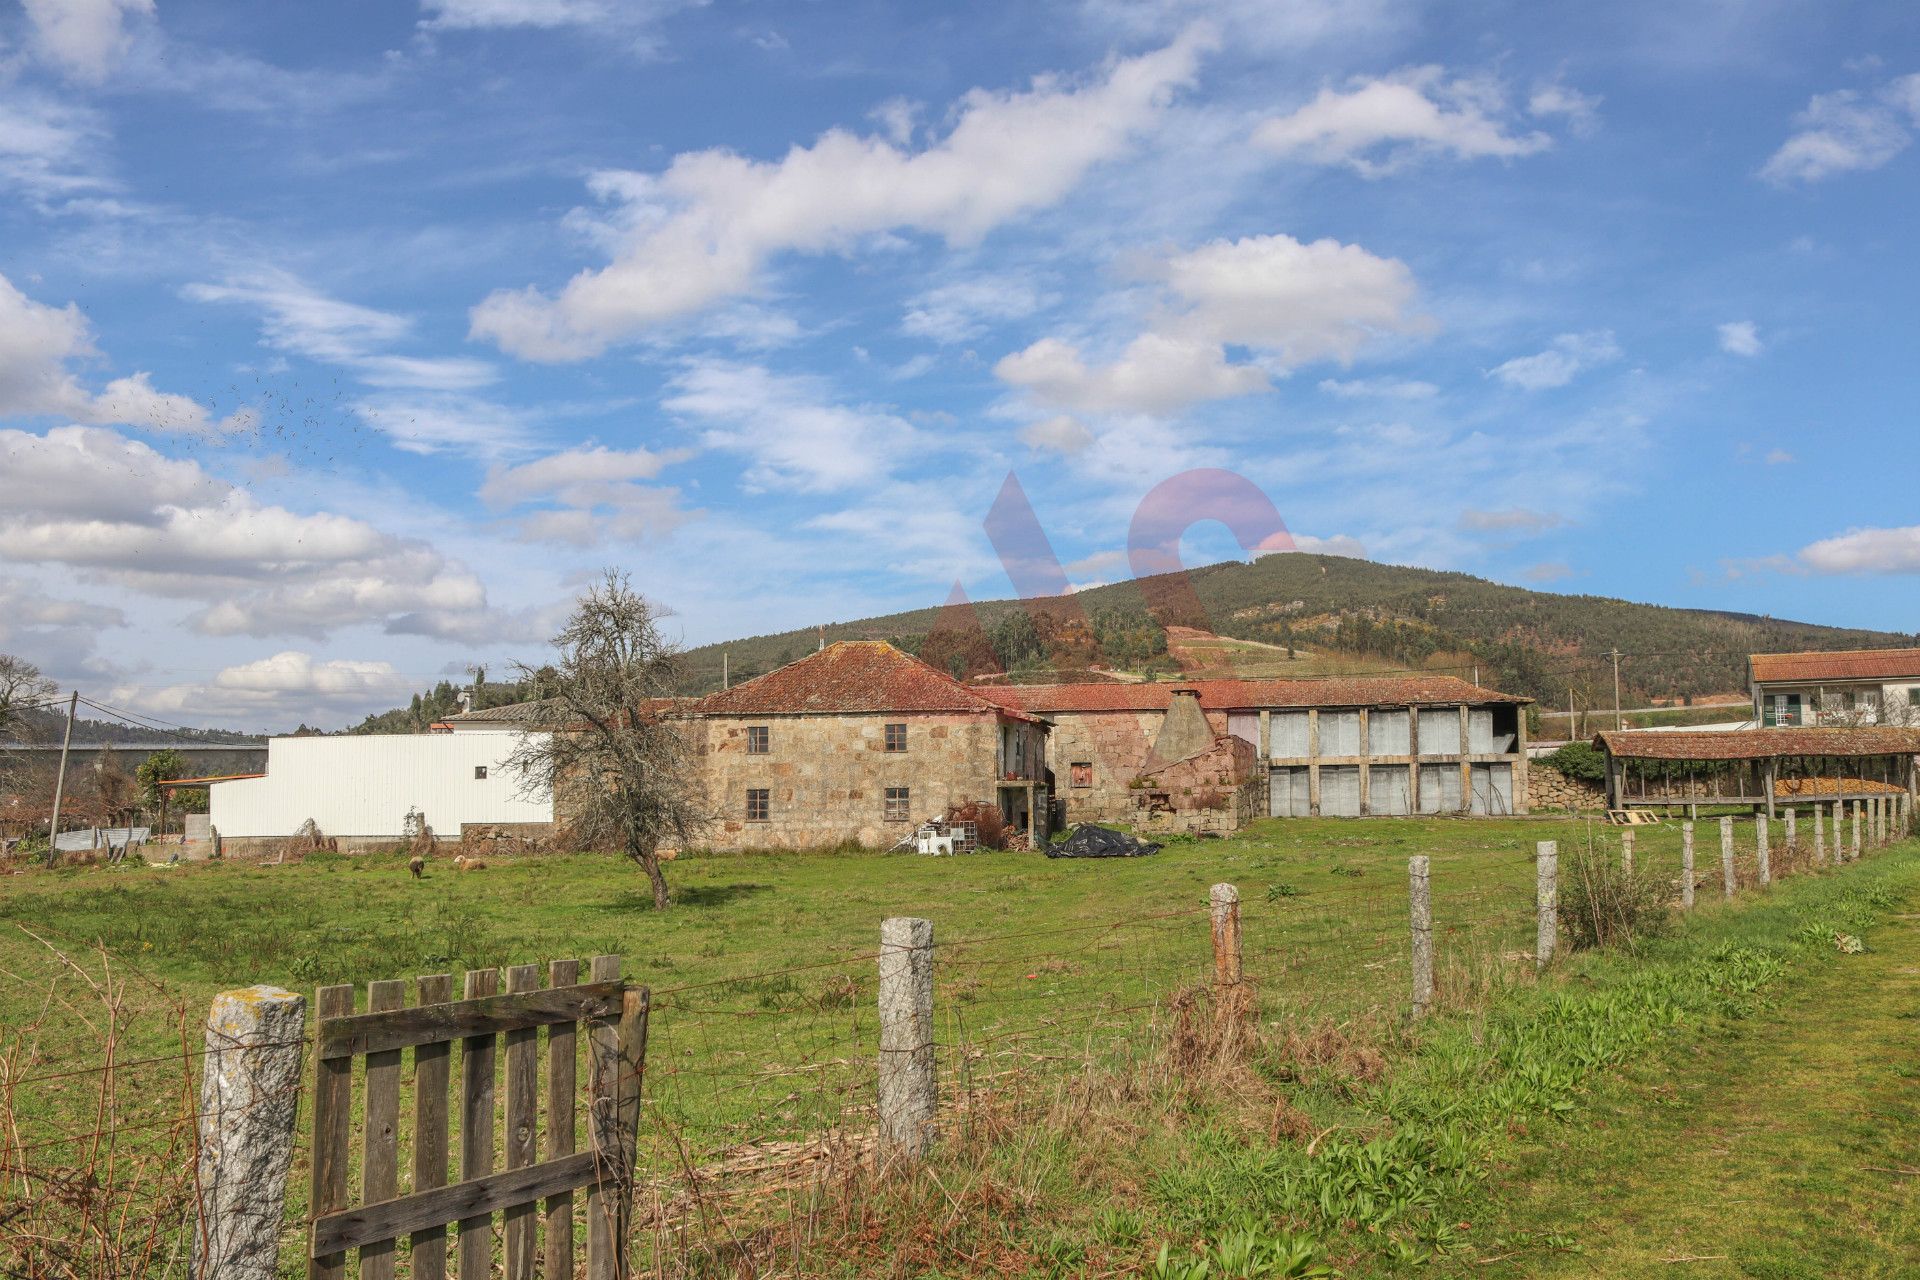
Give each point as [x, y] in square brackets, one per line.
[1049, 975]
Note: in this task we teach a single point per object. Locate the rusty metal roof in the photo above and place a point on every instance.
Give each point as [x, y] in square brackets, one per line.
[1236, 695]
[850, 678]
[1756, 744]
[1838, 664]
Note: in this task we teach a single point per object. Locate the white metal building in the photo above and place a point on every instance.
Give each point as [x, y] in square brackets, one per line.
[364, 786]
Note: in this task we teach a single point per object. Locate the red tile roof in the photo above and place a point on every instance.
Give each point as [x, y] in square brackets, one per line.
[851, 677]
[1757, 744]
[1234, 695]
[1839, 664]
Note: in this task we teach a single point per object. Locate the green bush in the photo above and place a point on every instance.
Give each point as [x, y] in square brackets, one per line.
[1581, 761]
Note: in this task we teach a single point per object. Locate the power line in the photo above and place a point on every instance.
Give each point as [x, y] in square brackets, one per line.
[141, 721]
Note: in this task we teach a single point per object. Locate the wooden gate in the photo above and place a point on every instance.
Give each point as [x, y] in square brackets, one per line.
[614, 1015]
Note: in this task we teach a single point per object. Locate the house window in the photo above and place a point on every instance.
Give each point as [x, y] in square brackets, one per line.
[756, 739]
[757, 804]
[897, 805]
[1082, 773]
[1783, 710]
[1913, 696]
[896, 737]
[479, 773]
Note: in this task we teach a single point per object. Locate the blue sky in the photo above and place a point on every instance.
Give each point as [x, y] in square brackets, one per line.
[340, 343]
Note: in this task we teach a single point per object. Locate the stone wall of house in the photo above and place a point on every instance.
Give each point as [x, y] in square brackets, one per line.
[1113, 747]
[827, 775]
[1551, 791]
[1212, 792]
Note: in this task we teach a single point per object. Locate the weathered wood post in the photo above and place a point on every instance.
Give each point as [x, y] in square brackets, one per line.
[1546, 901]
[1686, 866]
[1819, 835]
[1762, 850]
[1856, 831]
[1726, 855]
[1626, 852]
[908, 1091]
[1224, 900]
[249, 1099]
[1420, 913]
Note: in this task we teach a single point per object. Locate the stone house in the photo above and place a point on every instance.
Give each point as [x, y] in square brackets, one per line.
[1340, 747]
[862, 742]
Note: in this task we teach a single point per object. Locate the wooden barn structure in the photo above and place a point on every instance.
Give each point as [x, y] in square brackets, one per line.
[1761, 768]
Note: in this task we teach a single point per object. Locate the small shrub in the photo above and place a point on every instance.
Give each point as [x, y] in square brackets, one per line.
[1275, 892]
[1603, 905]
[1581, 761]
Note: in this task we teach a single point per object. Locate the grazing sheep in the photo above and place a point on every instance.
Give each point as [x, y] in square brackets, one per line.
[465, 863]
[417, 864]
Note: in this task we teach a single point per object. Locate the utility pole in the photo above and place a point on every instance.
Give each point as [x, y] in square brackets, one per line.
[1573, 722]
[60, 780]
[1616, 655]
[725, 680]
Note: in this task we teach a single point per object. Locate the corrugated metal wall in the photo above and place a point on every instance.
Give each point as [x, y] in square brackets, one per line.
[1339, 733]
[1440, 732]
[1440, 787]
[1493, 789]
[364, 785]
[1289, 730]
[1388, 734]
[1389, 790]
[1287, 793]
[1339, 791]
[1245, 725]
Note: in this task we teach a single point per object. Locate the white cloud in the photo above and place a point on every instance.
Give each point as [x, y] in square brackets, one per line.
[1778, 458]
[50, 150]
[38, 342]
[1379, 389]
[1518, 520]
[1154, 374]
[1547, 571]
[1339, 544]
[1552, 98]
[1379, 125]
[1292, 303]
[274, 691]
[1847, 131]
[177, 533]
[963, 311]
[303, 321]
[1293, 27]
[1865, 551]
[1060, 434]
[789, 428]
[593, 495]
[1570, 355]
[84, 38]
[1740, 338]
[703, 229]
[499, 15]
[430, 424]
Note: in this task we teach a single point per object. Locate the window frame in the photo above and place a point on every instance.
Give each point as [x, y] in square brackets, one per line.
[1079, 775]
[894, 737]
[762, 798]
[896, 804]
[759, 740]
[479, 773]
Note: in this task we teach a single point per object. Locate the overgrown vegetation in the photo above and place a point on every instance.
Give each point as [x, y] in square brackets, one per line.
[1604, 904]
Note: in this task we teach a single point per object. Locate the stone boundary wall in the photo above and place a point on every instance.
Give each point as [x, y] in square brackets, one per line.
[1551, 791]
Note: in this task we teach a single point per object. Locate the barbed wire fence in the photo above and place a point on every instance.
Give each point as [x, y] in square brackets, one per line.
[761, 1129]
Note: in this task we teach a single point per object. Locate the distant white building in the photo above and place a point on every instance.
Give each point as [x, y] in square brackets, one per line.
[1850, 687]
[362, 789]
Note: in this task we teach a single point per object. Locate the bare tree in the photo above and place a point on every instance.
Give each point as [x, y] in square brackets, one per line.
[606, 745]
[21, 687]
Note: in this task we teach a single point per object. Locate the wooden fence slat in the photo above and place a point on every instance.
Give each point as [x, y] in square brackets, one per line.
[380, 1151]
[332, 1116]
[475, 1016]
[474, 1199]
[523, 1105]
[562, 1075]
[476, 1131]
[604, 1261]
[431, 1076]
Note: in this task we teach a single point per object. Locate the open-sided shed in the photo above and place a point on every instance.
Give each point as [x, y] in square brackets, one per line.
[1659, 768]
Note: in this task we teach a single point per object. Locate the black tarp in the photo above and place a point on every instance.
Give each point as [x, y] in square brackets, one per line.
[1090, 841]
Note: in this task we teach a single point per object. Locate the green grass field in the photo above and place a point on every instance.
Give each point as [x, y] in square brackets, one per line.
[1049, 975]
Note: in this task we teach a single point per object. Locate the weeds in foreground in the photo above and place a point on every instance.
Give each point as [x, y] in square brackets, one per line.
[1604, 904]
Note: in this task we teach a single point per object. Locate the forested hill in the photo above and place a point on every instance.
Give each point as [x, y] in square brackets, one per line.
[1374, 617]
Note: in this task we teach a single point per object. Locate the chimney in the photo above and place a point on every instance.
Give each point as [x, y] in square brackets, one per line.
[1184, 732]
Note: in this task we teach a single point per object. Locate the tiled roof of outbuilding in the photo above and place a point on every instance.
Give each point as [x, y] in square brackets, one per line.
[851, 677]
[1756, 744]
[1234, 695]
[1839, 664]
